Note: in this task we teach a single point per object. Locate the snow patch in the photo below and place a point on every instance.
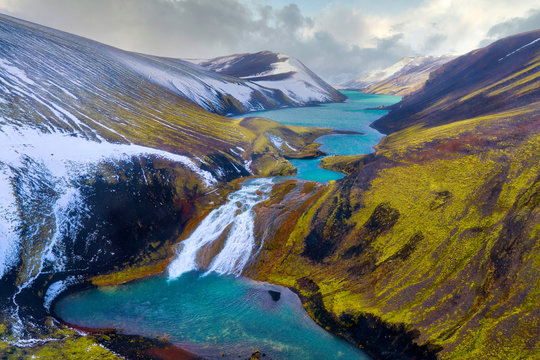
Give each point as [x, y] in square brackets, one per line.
[56, 289]
[8, 233]
[278, 142]
[14, 73]
[61, 153]
[275, 140]
[57, 159]
[521, 48]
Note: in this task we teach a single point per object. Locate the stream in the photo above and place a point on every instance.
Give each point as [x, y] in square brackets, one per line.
[203, 304]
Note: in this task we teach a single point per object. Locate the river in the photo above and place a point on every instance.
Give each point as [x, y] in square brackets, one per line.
[212, 310]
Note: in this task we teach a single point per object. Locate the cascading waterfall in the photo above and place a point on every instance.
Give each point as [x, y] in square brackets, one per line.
[237, 214]
[41, 206]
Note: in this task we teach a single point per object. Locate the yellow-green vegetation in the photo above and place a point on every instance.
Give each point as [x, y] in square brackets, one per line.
[268, 158]
[523, 79]
[72, 347]
[345, 164]
[443, 236]
[400, 86]
[482, 128]
[131, 272]
[60, 343]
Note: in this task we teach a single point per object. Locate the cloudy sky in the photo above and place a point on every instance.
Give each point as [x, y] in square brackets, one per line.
[338, 39]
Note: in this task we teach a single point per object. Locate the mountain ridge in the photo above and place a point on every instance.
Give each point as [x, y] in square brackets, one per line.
[402, 78]
[106, 157]
[510, 79]
[275, 70]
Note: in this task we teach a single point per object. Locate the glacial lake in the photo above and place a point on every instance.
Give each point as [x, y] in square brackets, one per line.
[211, 311]
[355, 114]
[209, 315]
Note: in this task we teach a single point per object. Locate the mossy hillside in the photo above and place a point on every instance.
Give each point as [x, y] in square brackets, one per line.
[345, 164]
[461, 136]
[62, 343]
[68, 343]
[443, 237]
[267, 158]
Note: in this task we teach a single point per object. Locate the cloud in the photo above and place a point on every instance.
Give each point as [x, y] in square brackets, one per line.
[338, 40]
[513, 26]
[433, 42]
[209, 28]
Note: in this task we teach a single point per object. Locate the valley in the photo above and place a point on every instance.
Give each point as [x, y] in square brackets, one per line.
[140, 222]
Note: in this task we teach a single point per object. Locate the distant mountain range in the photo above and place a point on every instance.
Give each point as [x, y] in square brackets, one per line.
[501, 76]
[402, 78]
[277, 71]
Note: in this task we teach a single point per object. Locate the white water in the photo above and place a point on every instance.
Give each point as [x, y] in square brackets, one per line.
[41, 203]
[236, 213]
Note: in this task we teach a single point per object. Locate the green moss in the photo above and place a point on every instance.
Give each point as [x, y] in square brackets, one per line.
[77, 347]
[460, 263]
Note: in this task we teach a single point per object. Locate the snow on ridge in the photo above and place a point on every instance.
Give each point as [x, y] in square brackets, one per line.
[61, 153]
[417, 65]
[58, 159]
[202, 88]
[521, 48]
[300, 86]
[283, 66]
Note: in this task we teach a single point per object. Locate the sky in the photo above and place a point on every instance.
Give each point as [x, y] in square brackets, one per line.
[339, 40]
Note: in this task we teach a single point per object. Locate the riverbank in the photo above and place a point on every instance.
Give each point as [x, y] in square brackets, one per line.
[112, 279]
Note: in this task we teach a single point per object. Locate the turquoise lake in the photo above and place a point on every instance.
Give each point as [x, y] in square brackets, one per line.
[209, 315]
[351, 115]
[211, 312]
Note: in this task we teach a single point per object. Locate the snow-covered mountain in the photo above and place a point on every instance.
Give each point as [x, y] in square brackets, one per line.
[276, 71]
[404, 77]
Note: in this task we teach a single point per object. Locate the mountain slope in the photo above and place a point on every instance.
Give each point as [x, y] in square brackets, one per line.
[501, 76]
[105, 157]
[402, 78]
[276, 71]
[429, 248]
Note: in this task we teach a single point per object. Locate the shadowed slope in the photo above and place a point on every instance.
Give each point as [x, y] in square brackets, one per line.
[501, 76]
[402, 78]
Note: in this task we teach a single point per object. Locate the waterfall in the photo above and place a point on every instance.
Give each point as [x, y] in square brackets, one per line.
[42, 207]
[237, 216]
